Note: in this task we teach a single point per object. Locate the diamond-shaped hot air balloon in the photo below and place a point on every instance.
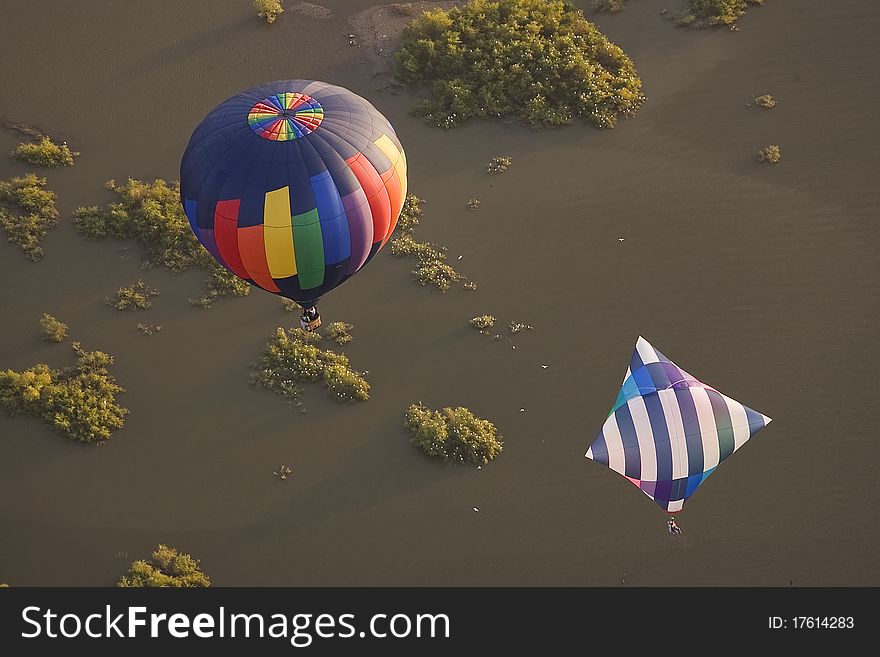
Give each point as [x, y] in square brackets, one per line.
[668, 431]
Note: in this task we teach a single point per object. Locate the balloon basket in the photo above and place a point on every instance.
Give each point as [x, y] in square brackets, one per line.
[312, 325]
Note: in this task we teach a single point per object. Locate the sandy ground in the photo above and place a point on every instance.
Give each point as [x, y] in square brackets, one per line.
[377, 32]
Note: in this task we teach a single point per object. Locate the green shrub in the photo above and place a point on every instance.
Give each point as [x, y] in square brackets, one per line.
[454, 434]
[53, 329]
[432, 268]
[346, 383]
[45, 153]
[409, 215]
[609, 6]
[133, 297]
[483, 322]
[770, 154]
[269, 9]
[291, 356]
[518, 327]
[540, 60]
[340, 332]
[149, 329]
[704, 13]
[37, 204]
[438, 273]
[499, 164]
[79, 402]
[166, 568]
[151, 214]
[765, 102]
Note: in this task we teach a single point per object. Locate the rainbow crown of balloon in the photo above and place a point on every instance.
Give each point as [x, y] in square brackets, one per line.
[294, 185]
[285, 116]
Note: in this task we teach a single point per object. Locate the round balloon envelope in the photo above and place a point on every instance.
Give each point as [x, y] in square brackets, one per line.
[294, 186]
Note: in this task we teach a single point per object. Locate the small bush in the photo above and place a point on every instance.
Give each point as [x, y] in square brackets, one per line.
[498, 164]
[79, 402]
[410, 214]
[473, 204]
[770, 154]
[53, 329]
[38, 212]
[345, 383]
[149, 329]
[438, 273]
[291, 356]
[519, 327]
[151, 214]
[454, 434]
[45, 153]
[540, 60]
[483, 322]
[609, 6]
[705, 13]
[290, 306]
[432, 268]
[269, 9]
[133, 297]
[765, 102]
[166, 568]
[340, 333]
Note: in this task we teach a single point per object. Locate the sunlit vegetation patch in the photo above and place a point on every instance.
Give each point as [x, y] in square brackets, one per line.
[454, 434]
[290, 306]
[770, 154]
[432, 268]
[269, 10]
[705, 13]
[766, 101]
[609, 6]
[340, 332]
[53, 329]
[539, 60]
[149, 329]
[518, 327]
[36, 212]
[79, 401]
[411, 214]
[166, 568]
[499, 164]
[473, 204]
[137, 296]
[221, 283]
[483, 322]
[292, 356]
[45, 153]
[151, 214]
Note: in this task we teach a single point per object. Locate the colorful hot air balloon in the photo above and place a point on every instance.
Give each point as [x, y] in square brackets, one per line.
[294, 186]
[668, 431]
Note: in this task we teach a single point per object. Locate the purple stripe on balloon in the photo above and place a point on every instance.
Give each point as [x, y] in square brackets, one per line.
[677, 375]
[360, 225]
[206, 237]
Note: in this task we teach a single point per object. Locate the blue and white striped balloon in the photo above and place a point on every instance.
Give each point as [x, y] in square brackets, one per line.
[668, 431]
